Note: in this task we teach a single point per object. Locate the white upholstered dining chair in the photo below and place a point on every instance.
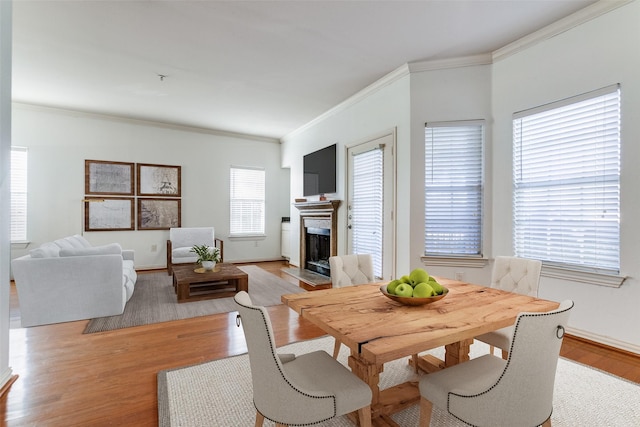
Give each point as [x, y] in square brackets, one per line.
[347, 270]
[493, 392]
[182, 239]
[512, 274]
[297, 390]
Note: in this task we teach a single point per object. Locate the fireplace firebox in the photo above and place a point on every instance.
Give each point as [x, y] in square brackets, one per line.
[318, 234]
[318, 250]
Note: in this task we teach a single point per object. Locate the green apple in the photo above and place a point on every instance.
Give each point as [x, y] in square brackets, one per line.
[391, 287]
[405, 279]
[418, 275]
[404, 290]
[437, 287]
[423, 290]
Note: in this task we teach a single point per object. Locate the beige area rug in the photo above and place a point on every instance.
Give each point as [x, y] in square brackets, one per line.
[154, 300]
[219, 393]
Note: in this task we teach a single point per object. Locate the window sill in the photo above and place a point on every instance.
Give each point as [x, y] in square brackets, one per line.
[609, 280]
[20, 244]
[247, 236]
[454, 261]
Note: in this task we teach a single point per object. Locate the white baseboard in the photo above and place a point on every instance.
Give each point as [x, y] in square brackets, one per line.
[604, 340]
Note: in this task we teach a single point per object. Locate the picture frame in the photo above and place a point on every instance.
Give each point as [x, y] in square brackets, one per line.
[159, 214]
[109, 214]
[106, 177]
[159, 180]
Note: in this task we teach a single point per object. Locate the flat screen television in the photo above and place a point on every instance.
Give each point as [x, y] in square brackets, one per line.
[320, 171]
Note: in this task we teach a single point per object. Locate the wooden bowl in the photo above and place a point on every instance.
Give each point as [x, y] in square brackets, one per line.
[412, 300]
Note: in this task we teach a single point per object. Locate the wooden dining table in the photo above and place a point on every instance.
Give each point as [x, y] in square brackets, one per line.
[378, 330]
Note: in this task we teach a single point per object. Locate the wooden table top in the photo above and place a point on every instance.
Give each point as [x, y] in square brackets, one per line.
[380, 330]
[222, 271]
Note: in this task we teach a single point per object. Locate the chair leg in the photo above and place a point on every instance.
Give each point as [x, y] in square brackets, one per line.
[336, 349]
[505, 354]
[364, 416]
[425, 412]
[259, 419]
[547, 423]
[491, 349]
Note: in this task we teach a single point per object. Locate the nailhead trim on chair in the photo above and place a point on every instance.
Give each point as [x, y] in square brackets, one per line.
[275, 356]
[505, 368]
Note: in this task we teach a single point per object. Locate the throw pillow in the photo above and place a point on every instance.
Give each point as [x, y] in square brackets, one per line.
[46, 250]
[110, 249]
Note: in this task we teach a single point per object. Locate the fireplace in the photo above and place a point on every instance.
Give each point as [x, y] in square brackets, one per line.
[318, 235]
[318, 250]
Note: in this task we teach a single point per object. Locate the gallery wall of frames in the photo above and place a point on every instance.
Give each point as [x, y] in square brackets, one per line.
[130, 196]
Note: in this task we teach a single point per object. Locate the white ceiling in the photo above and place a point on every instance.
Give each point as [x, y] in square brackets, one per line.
[260, 68]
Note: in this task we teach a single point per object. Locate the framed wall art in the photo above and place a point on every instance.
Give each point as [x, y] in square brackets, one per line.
[159, 180]
[103, 177]
[109, 214]
[159, 214]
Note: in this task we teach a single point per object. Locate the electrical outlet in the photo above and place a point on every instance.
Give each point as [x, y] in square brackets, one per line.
[459, 276]
[154, 248]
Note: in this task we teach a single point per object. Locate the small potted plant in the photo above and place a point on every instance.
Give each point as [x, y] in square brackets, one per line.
[207, 256]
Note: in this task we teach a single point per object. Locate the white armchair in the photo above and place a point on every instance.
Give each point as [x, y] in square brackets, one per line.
[293, 389]
[489, 391]
[181, 240]
[347, 270]
[513, 274]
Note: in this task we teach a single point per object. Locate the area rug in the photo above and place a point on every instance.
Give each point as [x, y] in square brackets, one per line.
[154, 300]
[219, 393]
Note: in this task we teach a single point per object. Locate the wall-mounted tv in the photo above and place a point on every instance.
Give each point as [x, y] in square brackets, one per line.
[320, 171]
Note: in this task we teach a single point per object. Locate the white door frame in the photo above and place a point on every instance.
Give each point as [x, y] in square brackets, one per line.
[389, 251]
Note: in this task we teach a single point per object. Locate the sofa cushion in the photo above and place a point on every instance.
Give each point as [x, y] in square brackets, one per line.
[110, 249]
[183, 253]
[77, 241]
[46, 250]
[129, 277]
[63, 243]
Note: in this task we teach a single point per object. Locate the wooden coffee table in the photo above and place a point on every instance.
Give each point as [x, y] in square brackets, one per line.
[224, 281]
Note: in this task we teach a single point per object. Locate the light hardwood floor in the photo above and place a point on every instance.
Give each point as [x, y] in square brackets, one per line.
[109, 379]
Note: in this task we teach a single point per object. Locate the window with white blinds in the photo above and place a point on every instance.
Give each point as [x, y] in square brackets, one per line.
[566, 172]
[366, 206]
[18, 194]
[454, 188]
[247, 201]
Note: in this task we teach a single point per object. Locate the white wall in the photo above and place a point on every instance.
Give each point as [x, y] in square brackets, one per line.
[439, 95]
[598, 53]
[59, 141]
[592, 55]
[384, 109]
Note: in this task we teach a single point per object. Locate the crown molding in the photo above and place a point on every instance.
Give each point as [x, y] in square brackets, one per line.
[443, 64]
[133, 120]
[580, 17]
[388, 79]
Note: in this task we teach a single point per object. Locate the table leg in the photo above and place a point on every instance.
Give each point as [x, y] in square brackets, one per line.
[242, 284]
[183, 292]
[457, 352]
[388, 401]
[368, 373]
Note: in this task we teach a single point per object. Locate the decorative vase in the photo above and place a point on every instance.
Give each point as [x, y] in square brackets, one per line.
[208, 265]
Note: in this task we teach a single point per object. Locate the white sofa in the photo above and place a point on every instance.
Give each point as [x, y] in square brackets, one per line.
[69, 279]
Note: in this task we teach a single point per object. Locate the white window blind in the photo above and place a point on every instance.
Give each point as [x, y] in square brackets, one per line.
[567, 182]
[18, 194]
[366, 208]
[454, 188]
[247, 201]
